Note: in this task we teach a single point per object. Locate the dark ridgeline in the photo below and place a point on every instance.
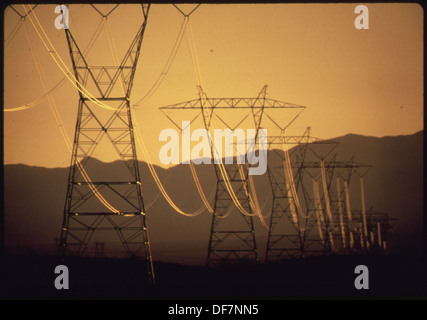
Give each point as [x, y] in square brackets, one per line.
[34, 200]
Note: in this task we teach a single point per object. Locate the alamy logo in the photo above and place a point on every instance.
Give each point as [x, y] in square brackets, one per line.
[203, 151]
[362, 20]
[362, 280]
[61, 21]
[61, 281]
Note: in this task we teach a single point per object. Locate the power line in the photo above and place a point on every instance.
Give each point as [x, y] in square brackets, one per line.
[149, 162]
[186, 14]
[105, 15]
[60, 123]
[63, 80]
[64, 69]
[168, 63]
[26, 14]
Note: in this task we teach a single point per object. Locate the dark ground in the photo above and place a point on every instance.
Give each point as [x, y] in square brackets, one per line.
[32, 277]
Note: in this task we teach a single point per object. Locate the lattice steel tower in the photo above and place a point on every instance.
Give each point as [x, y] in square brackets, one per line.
[311, 212]
[101, 200]
[232, 235]
[289, 227]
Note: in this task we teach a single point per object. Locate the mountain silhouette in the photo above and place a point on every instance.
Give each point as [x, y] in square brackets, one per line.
[35, 196]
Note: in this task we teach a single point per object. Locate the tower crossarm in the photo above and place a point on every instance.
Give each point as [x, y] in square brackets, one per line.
[328, 165]
[295, 140]
[236, 103]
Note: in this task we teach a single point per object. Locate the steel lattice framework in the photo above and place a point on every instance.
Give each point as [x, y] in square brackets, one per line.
[316, 218]
[123, 211]
[232, 235]
[288, 233]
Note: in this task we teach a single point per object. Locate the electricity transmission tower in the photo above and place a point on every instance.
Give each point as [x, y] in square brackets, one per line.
[102, 202]
[329, 205]
[311, 212]
[232, 234]
[289, 222]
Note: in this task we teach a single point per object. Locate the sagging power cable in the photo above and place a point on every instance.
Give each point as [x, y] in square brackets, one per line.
[203, 100]
[167, 65]
[61, 64]
[63, 80]
[156, 177]
[60, 124]
[140, 140]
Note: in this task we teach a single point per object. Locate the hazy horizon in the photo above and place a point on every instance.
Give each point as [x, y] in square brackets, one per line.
[170, 166]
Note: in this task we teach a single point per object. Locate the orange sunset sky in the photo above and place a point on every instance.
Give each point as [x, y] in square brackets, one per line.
[367, 82]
